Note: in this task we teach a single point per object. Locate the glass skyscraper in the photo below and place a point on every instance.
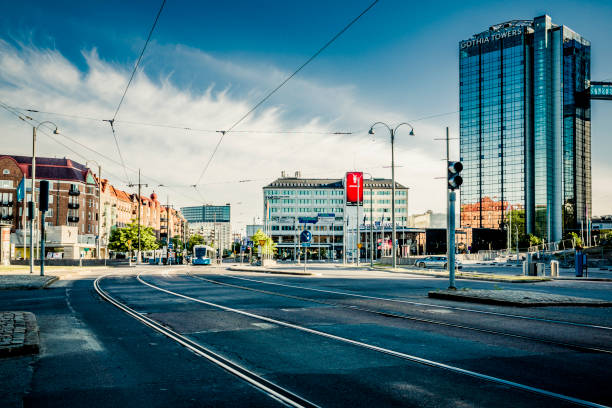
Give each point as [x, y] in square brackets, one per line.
[525, 133]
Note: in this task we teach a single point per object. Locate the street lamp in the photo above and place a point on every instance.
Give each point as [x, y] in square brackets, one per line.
[371, 222]
[392, 132]
[33, 176]
[99, 206]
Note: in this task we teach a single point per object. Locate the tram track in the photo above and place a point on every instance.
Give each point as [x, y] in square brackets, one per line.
[273, 390]
[571, 346]
[423, 304]
[400, 355]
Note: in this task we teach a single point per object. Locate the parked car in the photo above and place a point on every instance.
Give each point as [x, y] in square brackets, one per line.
[436, 262]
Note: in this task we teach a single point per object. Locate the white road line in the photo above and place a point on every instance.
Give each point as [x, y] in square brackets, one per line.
[284, 396]
[404, 356]
[425, 304]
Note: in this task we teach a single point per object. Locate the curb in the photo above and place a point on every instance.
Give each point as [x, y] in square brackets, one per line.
[31, 285]
[270, 271]
[502, 302]
[31, 340]
[461, 275]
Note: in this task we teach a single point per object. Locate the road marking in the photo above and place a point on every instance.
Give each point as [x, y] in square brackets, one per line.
[273, 390]
[398, 354]
[427, 304]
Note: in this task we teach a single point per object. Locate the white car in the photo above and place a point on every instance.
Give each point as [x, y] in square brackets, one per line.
[436, 262]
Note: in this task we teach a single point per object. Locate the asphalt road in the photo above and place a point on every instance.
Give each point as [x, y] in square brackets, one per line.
[96, 355]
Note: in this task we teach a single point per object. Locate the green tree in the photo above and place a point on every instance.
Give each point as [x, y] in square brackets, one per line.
[269, 246]
[577, 240]
[126, 239]
[177, 242]
[533, 240]
[195, 239]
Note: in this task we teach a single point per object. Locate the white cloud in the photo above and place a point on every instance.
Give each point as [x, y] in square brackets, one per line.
[45, 80]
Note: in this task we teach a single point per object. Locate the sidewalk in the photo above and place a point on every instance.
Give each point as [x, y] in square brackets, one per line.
[466, 275]
[268, 270]
[25, 282]
[18, 334]
[515, 298]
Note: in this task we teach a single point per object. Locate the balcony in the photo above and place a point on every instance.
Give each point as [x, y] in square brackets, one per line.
[74, 192]
[73, 206]
[73, 219]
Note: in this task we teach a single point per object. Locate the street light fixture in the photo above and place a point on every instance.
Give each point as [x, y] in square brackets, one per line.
[392, 132]
[371, 221]
[98, 243]
[33, 177]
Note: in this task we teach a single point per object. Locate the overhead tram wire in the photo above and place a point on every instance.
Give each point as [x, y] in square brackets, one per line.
[192, 129]
[112, 121]
[273, 91]
[26, 118]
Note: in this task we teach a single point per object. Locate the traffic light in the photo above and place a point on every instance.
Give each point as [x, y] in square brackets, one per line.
[454, 179]
[43, 198]
[30, 210]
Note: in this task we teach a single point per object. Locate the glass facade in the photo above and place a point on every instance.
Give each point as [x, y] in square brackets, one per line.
[207, 213]
[521, 138]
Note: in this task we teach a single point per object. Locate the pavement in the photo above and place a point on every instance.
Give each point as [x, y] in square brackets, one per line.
[18, 334]
[272, 270]
[516, 298]
[92, 354]
[25, 282]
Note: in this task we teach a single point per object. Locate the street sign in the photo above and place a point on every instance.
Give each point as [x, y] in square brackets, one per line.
[170, 245]
[359, 245]
[305, 236]
[308, 220]
[306, 244]
[262, 242]
[249, 243]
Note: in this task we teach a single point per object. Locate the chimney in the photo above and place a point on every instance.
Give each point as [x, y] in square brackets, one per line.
[283, 174]
[298, 174]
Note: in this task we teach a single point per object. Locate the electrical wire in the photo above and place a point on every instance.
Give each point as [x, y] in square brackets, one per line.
[112, 121]
[273, 91]
[139, 59]
[26, 119]
[192, 129]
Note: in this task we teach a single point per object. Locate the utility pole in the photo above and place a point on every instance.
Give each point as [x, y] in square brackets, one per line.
[34, 218]
[139, 211]
[448, 220]
[358, 230]
[99, 209]
[168, 230]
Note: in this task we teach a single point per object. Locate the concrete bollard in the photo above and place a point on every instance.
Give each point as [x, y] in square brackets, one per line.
[554, 268]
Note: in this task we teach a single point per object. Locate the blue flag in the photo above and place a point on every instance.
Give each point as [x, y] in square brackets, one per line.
[21, 190]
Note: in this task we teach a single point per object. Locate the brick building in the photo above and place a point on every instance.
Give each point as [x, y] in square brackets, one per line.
[73, 198]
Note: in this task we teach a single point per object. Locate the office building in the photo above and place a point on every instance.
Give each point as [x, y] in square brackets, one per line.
[207, 213]
[525, 127]
[288, 201]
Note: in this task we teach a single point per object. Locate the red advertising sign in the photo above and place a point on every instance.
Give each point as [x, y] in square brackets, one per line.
[354, 187]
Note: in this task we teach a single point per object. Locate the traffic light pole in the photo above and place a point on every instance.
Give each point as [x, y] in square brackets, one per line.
[451, 240]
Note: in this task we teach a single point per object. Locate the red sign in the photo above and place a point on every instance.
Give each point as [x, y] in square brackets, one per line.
[354, 187]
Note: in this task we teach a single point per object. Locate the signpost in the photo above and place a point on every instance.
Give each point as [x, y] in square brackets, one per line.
[305, 238]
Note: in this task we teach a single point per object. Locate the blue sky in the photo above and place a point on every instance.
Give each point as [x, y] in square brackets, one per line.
[399, 62]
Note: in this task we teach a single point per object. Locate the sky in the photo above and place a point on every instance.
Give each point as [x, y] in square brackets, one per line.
[209, 62]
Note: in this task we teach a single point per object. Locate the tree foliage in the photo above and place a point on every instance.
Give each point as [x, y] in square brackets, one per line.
[126, 239]
[269, 246]
[195, 239]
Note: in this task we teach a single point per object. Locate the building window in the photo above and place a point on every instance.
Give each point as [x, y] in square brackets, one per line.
[6, 183]
[6, 171]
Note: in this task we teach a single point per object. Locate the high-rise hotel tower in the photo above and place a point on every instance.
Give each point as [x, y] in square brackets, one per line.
[525, 127]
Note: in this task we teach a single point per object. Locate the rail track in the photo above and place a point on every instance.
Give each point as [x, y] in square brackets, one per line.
[400, 355]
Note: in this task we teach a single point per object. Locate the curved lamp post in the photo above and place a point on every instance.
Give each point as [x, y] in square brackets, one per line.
[33, 177]
[392, 132]
[99, 234]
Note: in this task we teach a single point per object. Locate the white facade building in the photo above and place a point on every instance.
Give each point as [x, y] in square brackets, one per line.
[216, 234]
[290, 201]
